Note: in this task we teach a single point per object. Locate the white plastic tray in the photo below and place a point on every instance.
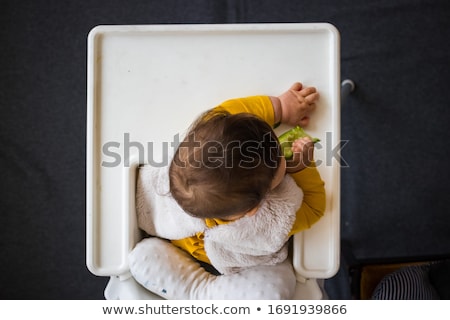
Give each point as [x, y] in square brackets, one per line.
[147, 83]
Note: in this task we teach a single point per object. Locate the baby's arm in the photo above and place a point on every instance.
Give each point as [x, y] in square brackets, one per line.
[313, 205]
[303, 169]
[260, 106]
[293, 107]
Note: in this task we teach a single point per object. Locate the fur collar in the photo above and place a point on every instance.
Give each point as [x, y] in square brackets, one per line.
[246, 242]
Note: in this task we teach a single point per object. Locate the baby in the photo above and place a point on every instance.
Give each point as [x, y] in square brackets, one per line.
[238, 199]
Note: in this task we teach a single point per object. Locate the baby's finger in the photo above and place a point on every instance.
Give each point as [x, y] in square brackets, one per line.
[301, 158]
[300, 144]
[307, 91]
[304, 122]
[311, 98]
[297, 86]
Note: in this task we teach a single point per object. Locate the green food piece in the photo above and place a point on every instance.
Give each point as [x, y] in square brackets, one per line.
[287, 138]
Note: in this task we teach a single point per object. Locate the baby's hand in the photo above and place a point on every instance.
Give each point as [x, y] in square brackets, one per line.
[297, 104]
[303, 150]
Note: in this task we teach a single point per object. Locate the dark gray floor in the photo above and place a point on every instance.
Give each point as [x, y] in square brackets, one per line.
[395, 199]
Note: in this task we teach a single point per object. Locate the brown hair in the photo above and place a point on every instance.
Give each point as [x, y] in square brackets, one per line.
[225, 165]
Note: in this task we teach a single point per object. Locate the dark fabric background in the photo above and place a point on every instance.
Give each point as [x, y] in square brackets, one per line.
[395, 199]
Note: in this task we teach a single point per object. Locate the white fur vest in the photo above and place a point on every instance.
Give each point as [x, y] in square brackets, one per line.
[246, 242]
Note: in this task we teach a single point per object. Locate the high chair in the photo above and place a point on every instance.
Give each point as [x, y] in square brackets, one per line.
[147, 83]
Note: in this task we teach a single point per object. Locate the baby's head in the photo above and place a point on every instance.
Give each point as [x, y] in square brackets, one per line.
[225, 165]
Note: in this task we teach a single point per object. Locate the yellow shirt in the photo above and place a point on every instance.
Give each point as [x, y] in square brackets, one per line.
[309, 180]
